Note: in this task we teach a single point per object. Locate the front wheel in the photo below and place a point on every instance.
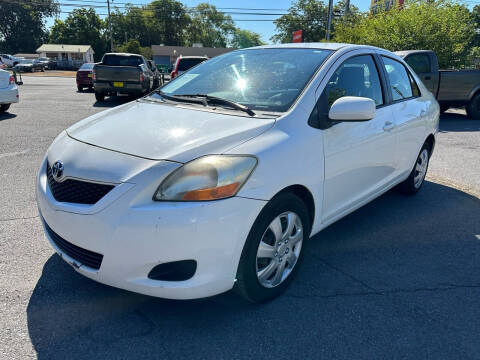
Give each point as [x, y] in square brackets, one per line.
[273, 250]
[416, 178]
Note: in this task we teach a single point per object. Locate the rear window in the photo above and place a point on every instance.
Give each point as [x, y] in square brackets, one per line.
[420, 63]
[87, 66]
[122, 60]
[185, 64]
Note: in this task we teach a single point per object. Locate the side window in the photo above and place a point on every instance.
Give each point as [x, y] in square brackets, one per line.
[399, 79]
[357, 76]
[420, 63]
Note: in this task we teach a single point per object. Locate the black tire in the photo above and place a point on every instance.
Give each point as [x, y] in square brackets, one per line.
[444, 108]
[99, 96]
[473, 107]
[4, 107]
[80, 88]
[410, 186]
[247, 284]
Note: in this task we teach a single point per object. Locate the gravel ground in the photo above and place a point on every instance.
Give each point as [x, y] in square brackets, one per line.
[395, 279]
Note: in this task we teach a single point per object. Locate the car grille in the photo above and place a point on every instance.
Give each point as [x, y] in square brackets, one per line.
[76, 191]
[83, 256]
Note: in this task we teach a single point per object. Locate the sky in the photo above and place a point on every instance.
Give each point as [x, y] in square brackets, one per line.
[265, 28]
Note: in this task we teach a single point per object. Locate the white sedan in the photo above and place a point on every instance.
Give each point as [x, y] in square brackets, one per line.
[8, 91]
[219, 179]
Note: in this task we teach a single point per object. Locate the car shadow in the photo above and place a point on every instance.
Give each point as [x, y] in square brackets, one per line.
[388, 278]
[457, 122]
[7, 116]
[113, 101]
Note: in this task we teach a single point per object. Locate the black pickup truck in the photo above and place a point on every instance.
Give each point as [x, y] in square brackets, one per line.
[121, 73]
[452, 88]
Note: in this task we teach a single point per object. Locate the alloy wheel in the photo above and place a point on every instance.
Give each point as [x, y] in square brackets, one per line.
[420, 168]
[279, 249]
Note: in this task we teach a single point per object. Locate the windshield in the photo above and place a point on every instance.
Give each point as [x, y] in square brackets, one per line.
[87, 66]
[262, 79]
[185, 64]
[122, 60]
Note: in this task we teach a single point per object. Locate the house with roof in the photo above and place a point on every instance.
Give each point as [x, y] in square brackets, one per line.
[67, 55]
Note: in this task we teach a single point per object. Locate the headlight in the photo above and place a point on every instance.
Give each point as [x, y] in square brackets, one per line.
[207, 178]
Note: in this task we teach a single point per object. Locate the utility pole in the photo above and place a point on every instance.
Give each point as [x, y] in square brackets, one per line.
[347, 7]
[329, 19]
[110, 26]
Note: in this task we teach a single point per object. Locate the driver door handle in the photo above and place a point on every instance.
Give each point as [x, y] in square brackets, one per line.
[388, 126]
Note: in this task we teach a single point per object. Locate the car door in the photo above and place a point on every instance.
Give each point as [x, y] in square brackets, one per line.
[409, 110]
[359, 156]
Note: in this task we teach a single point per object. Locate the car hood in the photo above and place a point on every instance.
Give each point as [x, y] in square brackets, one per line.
[165, 132]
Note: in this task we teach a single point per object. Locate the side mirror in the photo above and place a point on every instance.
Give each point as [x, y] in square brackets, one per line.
[352, 108]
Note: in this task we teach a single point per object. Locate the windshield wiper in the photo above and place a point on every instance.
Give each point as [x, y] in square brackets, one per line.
[217, 100]
[182, 98]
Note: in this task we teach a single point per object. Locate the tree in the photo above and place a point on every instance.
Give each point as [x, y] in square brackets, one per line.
[209, 27]
[160, 22]
[133, 46]
[442, 26]
[22, 26]
[245, 38]
[307, 15]
[82, 27]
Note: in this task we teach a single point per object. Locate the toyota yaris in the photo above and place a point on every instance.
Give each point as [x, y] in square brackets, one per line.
[218, 179]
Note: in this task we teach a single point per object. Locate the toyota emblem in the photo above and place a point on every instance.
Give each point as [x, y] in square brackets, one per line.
[57, 170]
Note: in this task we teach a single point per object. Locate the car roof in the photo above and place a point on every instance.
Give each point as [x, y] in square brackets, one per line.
[193, 57]
[122, 54]
[316, 45]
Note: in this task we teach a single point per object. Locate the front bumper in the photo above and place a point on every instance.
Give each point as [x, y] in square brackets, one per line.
[135, 233]
[9, 95]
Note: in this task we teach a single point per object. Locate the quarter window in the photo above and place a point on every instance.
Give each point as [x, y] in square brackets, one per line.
[400, 81]
[357, 76]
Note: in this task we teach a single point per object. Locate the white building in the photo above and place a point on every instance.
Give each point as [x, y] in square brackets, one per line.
[69, 56]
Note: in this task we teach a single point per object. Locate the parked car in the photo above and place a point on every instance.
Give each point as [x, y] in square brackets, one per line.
[29, 65]
[185, 63]
[84, 77]
[9, 60]
[155, 73]
[47, 62]
[219, 179]
[8, 90]
[121, 73]
[452, 88]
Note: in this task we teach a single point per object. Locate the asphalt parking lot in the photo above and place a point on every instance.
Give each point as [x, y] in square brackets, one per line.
[398, 278]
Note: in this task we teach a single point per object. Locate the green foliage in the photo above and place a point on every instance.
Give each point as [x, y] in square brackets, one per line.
[307, 15]
[83, 27]
[245, 38]
[311, 17]
[133, 46]
[22, 27]
[442, 26]
[160, 22]
[209, 27]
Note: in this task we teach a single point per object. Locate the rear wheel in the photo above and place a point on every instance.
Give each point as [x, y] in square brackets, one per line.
[273, 250]
[4, 107]
[416, 178]
[473, 108]
[99, 96]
